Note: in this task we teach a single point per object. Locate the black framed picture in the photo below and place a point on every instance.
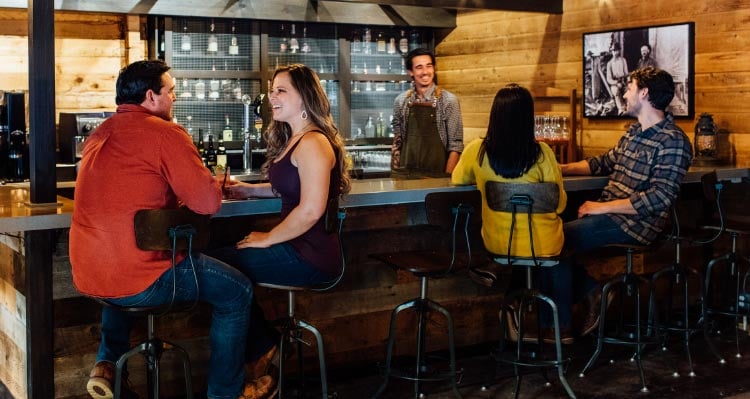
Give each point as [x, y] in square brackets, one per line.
[608, 57]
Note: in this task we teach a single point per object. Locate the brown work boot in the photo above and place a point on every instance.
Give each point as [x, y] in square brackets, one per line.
[594, 306]
[259, 367]
[264, 387]
[101, 384]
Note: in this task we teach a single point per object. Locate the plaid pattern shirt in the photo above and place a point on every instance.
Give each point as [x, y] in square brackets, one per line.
[447, 112]
[646, 167]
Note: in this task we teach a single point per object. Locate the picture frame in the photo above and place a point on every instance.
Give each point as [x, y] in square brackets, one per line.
[608, 56]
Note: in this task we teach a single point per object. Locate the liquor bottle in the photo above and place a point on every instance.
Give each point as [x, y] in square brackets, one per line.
[293, 42]
[380, 43]
[201, 146]
[392, 45]
[185, 90]
[369, 127]
[414, 41]
[213, 42]
[226, 134]
[380, 126]
[214, 85]
[185, 42]
[200, 89]
[234, 47]
[403, 43]
[284, 45]
[305, 46]
[366, 40]
[237, 89]
[356, 42]
[221, 154]
[189, 126]
[210, 151]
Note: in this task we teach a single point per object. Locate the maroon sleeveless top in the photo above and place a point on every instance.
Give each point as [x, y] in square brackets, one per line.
[315, 246]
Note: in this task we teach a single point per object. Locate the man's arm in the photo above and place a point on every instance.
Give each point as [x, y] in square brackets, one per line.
[453, 158]
[580, 168]
[622, 206]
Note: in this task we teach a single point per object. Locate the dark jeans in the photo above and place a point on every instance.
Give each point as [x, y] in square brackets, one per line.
[277, 264]
[569, 282]
[224, 287]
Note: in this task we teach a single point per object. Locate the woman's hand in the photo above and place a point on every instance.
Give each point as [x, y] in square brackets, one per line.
[256, 239]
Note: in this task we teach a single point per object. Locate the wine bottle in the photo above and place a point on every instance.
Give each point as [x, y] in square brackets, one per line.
[234, 47]
[210, 151]
[226, 134]
[221, 154]
[213, 42]
[201, 146]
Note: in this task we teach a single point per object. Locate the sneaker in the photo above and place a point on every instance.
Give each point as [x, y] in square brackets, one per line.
[594, 304]
[101, 384]
[264, 387]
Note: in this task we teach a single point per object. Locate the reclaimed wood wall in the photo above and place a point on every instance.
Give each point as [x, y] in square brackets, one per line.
[489, 49]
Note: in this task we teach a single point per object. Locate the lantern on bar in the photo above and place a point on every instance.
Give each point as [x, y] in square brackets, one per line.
[705, 141]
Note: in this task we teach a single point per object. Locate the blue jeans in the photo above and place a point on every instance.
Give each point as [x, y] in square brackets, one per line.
[570, 282]
[224, 287]
[277, 264]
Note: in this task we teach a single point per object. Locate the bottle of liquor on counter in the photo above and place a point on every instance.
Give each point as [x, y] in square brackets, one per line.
[213, 42]
[185, 41]
[226, 134]
[201, 146]
[210, 151]
[234, 47]
[221, 154]
[293, 42]
[369, 127]
[403, 43]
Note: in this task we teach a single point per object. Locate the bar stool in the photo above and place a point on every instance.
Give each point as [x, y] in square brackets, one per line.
[291, 326]
[455, 211]
[161, 230]
[678, 277]
[528, 199]
[737, 227]
[632, 333]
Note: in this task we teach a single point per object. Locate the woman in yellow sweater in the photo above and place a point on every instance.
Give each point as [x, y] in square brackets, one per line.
[510, 153]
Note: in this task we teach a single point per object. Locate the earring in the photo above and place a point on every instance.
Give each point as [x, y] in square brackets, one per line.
[304, 115]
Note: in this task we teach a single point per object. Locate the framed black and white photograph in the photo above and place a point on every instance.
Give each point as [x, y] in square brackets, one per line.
[609, 56]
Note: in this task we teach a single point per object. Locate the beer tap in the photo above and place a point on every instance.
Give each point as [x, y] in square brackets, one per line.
[247, 148]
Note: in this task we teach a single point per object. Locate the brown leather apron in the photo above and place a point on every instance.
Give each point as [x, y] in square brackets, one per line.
[423, 153]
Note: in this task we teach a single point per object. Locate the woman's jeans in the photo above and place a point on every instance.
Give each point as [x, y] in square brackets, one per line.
[224, 287]
[278, 264]
[568, 282]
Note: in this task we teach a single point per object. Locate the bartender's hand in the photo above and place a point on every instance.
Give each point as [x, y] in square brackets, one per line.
[256, 239]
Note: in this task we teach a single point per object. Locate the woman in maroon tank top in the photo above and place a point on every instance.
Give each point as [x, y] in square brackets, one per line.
[306, 167]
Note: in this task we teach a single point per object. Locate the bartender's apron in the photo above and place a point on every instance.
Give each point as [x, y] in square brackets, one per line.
[423, 153]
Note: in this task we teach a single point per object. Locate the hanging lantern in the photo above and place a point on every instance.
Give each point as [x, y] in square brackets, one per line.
[705, 141]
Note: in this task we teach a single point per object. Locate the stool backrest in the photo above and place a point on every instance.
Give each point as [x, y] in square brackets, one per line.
[155, 229]
[529, 198]
[457, 211]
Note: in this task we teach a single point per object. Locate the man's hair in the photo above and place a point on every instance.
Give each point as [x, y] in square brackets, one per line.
[648, 46]
[137, 78]
[415, 53]
[659, 83]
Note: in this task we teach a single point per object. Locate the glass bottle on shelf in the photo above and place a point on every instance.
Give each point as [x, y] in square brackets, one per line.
[185, 89]
[226, 134]
[414, 40]
[392, 45]
[380, 43]
[403, 43]
[305, 45]
[284, 44]
[200, 89]
[234, 47]
[213, 42]
[369, 127]
[380, 126]
[237, 89]
[293, 42]
[356, 42]
[189, 126]
[214, 85]
[366, 40]
[185, 40]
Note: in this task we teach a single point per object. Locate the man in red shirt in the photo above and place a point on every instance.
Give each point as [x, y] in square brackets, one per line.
[140, 159]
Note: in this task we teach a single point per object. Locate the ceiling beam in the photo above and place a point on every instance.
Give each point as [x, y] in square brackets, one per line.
[543, 6]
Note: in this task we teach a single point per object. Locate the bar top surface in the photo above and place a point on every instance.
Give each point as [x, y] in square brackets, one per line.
[16, 214]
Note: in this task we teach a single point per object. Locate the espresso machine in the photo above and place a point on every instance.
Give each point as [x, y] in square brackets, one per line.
[14, 151]
[73, 130]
